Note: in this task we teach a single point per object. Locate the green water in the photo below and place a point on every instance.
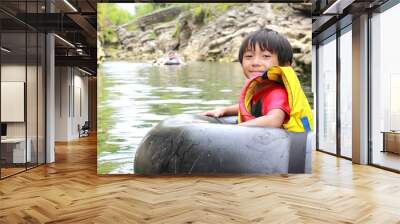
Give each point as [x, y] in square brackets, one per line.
[133, 97]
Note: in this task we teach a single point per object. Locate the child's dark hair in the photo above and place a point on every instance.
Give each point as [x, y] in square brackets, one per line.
[271, 41]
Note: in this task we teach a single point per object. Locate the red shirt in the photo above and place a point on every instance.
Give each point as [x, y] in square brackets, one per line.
[271, 97]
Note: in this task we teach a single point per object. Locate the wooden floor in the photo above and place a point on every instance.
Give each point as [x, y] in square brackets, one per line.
[10, 171]
[388, 159]
[70, 191]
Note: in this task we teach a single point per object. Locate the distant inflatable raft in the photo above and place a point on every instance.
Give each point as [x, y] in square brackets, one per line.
[194, 144]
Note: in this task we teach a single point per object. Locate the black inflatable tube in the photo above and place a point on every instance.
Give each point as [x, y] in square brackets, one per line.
[172, 63]
[194, 144]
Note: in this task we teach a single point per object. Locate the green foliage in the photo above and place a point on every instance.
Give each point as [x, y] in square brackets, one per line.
[206, 12]
[112, 13]
[199, 14]
[108, 16]
[223, 7]
[101, 15]
[177, 30]
[153, 35]
[143, 9]
[276, 8]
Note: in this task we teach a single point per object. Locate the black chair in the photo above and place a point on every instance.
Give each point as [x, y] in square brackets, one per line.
[84, 130]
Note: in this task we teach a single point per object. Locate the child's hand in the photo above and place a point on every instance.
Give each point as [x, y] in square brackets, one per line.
[214, 113]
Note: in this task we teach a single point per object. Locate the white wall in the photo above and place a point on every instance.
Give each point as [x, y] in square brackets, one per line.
[81, 100]
[33, 127]
[13, 73]
[71, 87]
[62, 81]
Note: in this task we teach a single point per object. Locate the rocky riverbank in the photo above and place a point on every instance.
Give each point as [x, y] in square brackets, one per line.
[219, 39]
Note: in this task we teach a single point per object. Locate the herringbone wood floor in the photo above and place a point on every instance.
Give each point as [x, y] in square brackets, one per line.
[70, 191]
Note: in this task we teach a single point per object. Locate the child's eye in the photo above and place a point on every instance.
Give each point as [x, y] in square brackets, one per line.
[266, 56]
[248, 55]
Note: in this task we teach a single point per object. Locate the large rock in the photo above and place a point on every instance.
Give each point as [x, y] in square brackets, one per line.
[185, 30]
[164, 27]
[304, 8]
[162, 15]
[221, 38]
[166, 41]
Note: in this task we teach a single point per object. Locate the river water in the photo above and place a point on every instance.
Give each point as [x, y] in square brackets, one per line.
[133, 97]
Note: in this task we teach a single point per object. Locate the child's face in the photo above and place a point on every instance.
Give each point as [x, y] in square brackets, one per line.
[256, 62]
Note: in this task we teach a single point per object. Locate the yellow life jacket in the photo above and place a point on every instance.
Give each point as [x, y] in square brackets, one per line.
[301, 119]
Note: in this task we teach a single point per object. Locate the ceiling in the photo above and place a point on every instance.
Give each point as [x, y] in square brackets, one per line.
[74, 22]
[330, 15]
